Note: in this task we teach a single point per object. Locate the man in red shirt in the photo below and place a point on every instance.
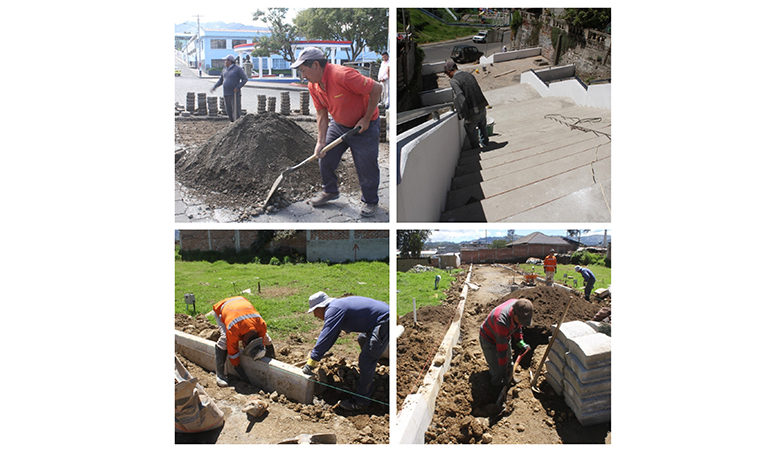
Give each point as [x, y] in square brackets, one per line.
[351, 100]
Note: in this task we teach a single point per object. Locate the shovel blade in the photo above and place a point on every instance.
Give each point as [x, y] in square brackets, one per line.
[272, 188]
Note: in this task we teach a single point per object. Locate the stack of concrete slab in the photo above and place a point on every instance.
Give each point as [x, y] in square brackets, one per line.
[213, 106]
[285, 103]
[190, 102]
[271, 104]
[261, 104]
[304, 103]
[579, 367]
[202, 110]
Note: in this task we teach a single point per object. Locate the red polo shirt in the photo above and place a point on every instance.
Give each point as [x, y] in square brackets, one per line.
[346, 96]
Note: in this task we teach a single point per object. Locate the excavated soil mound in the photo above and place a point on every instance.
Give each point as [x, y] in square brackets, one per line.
[418, 344]
[237, 166]
[338, 377]
[424, 339]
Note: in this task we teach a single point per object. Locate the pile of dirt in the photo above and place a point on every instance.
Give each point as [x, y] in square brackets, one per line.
[338, 377]
[237, 166]
[197, 325]
[419, 342]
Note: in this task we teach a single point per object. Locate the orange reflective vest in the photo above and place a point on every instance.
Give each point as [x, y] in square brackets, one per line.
[549, 263]
[238, 317]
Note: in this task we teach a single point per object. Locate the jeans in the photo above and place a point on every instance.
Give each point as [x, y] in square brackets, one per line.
[233, 111]
[589, 287]
[374, 345]
[365, 148]
[496, 372]
[475, 122]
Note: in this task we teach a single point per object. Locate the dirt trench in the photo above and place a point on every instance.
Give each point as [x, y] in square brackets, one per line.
[286, 418]
[419, 342]
[463, 413]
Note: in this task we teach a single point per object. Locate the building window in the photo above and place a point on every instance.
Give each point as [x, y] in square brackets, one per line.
[218, 43]
[217, 63]
[238, 42]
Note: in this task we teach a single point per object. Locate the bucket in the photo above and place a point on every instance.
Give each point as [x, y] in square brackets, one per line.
[490, 125]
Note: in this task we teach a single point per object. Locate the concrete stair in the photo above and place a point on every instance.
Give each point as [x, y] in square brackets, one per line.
[535, 167]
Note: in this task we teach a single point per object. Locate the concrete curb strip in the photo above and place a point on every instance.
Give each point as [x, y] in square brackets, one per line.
[269, 374]
[417, 410]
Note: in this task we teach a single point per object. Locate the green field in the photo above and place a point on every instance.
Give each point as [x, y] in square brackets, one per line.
[279, 292]
[602, 274]
[420, 287]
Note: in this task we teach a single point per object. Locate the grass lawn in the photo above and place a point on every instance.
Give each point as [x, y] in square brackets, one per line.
[420, 286]
[602, 274]
[427, 29]
[283, 299]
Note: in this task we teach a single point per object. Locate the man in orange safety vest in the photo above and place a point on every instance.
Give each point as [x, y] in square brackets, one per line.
[549, 265]
[238, 321]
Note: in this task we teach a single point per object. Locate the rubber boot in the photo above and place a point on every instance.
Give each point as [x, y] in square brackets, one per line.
[221, 357]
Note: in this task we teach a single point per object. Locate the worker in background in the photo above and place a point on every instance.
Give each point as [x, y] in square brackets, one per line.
[588, 278]
[351, 314]
[502, 329]
[470, 103]
[383, 76]
[351, 100]
[239, 322]
[549, 266]
[233, 78]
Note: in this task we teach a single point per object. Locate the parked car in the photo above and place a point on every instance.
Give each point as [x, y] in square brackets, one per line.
[462, 54]
[177, 73]
[481, 37]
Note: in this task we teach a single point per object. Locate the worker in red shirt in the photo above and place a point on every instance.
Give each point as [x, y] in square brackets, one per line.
[503, 328]
[238, 321]
[351, 100]
[549, 266]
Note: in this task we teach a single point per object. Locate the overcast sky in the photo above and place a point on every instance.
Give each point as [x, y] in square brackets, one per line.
[468, 235]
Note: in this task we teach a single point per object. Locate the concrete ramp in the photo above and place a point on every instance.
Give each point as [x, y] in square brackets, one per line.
[548, 161]
[269, 374]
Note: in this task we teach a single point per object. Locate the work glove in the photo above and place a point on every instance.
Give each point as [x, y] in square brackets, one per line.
[310, 367]
[522, 346]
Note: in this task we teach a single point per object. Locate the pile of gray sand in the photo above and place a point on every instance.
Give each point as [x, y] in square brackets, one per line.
[237, 166]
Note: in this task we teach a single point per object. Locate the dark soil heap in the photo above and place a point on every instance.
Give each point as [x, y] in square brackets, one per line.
[237, 166]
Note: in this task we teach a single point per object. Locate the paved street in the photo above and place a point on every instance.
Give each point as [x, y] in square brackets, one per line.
[440, 52]
[189, 82]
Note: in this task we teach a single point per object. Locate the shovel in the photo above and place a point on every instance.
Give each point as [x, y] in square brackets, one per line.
[533, 378]
[504, 392]
[321, 154]
[317, 438]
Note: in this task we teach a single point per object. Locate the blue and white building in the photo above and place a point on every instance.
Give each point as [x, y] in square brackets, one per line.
[212, 47]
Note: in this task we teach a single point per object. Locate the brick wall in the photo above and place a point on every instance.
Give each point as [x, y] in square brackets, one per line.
[404, 264]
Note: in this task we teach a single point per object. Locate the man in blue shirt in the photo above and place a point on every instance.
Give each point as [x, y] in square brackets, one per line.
[367, 316]
[588, 278]
[233, 78]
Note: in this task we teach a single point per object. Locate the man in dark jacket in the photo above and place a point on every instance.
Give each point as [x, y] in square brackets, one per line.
[470, 103]
[233, 78]
[588, 278]
[352, 314]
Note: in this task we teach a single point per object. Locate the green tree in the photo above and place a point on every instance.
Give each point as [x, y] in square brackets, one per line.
[498, 243]
[362, 26]
[596, 18]
[516, 22]
[410, 242]
[281, 35]
[511, 235]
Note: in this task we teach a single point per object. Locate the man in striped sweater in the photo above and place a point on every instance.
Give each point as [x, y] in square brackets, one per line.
[504, 327]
